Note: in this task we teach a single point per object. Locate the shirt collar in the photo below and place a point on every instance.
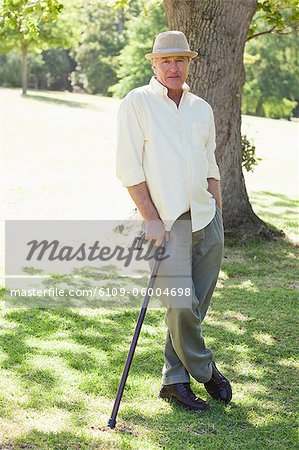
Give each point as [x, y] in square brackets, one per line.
[161, 90]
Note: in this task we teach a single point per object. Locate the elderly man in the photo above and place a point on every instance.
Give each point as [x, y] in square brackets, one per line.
[166, 159]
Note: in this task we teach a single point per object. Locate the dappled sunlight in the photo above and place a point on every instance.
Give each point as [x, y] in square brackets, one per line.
[59, 342]
[245, 366]
[229, 326]
[222, 276]
[53, 419]
[235, 315]
[247, 285]
[280, 208]
[51, 370]
[27, 421]
[259, 420]
[148, 409]
[13, 390]
[293, 256]
[264, 338]
[85, 288]
[60, 368]
[149, 330]
[289, 363]
[4, 325]
[82, 353]
[21, 414]
[248, 392]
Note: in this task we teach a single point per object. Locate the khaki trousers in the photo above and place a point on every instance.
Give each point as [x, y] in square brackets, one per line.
[193, 264]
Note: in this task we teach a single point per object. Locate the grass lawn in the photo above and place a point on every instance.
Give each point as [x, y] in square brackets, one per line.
[60, 368]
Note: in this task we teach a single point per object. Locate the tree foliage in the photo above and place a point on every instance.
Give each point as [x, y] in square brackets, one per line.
[29, 23]
[47, 70]
[249, 158]
[107, 41]
[103, 37]
[272, 76]
[101, 40]
[271, 87]
[275, 16]
[10, 70]
[33, 25]
[134, 70]
[271, 56]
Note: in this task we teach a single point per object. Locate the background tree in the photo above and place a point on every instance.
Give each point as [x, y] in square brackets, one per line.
[57, 68]
[101, 40]
[106, 33]
[50, 69]
[133, 69]
[10, 69]
[218, 30]
[274, 17]
[31, 25]
[270, 60]
[272, 76]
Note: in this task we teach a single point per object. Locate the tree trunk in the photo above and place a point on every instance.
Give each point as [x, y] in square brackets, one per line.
[217, 29]
[24, 50]
[259, 107]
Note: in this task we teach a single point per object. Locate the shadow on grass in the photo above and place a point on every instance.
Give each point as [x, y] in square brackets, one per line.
[251, 328]
[63, 441]
[91, 287]
[277, 206]
[59, 101]
[221, 427]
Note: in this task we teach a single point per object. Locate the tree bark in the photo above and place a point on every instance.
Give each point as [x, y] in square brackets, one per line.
[24, 50]
[217, 29]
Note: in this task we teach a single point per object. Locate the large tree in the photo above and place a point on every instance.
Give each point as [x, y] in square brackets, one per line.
[218, 30]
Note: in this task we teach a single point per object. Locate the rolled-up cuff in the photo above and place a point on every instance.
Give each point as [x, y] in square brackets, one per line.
[214, 174]
[131, 178]
[175, 379]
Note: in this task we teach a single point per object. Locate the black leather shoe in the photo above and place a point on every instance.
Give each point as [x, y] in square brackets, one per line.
[183, 395]
[218, 386]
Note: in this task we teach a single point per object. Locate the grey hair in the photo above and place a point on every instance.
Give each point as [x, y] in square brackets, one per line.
[154, 59]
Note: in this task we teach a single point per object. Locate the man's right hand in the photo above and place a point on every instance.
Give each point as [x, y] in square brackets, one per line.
[155, 231]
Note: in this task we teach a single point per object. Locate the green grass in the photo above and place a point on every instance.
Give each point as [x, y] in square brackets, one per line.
[280, 210]
[60, 368]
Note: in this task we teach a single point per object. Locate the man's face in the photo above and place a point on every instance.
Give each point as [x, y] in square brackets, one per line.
[171, 71]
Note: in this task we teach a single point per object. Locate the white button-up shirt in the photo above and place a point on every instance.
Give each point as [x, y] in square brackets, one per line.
[171, 148]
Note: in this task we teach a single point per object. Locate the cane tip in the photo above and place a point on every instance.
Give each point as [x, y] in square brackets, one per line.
[111, 423]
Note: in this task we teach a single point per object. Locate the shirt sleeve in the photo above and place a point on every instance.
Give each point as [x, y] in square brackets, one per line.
[130, 143]
[213, 170]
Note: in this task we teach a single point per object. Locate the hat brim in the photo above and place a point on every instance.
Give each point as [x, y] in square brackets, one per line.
[175, 52]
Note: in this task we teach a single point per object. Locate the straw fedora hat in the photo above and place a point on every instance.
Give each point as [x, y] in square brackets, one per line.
[171, 43]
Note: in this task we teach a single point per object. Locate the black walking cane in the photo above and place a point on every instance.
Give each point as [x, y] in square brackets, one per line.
[112, 420]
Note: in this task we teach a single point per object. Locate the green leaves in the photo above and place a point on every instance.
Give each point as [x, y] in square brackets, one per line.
[272, 76]
[34, 25]
[275, 16]
[134, 70]
[121, 3]
[24, 20]
[249, 159]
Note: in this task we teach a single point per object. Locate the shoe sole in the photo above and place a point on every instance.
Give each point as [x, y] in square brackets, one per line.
[172, 399]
